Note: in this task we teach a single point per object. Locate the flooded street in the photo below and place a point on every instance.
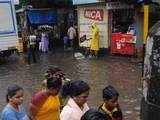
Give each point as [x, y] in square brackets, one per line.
[118, 71]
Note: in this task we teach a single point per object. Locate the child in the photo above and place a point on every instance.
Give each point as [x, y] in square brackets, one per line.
[65, 41]
[110, 105]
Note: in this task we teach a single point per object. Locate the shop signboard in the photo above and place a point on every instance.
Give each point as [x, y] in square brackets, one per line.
[116, 5]
[93, 14]
[78, 2]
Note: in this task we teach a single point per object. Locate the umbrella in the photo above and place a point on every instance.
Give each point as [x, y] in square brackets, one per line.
[45, 27]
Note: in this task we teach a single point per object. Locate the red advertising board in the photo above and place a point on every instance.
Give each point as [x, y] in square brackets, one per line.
[122, 44]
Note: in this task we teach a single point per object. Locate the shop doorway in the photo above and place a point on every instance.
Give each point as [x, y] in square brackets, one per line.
[122, 28]
[121, 19]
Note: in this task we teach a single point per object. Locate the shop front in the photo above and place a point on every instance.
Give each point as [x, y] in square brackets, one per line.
[122, 28]
[89, 12]
[120, 25]
[87, 15]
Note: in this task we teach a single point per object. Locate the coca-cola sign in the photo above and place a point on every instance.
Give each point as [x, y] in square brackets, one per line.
[94, 14]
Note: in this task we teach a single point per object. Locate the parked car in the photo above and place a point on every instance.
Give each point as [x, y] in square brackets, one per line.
[8, 28]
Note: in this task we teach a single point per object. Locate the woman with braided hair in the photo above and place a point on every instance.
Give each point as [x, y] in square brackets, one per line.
[53, 72]
[45, 105]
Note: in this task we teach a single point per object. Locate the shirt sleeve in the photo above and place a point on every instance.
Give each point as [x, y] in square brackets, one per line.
[66, 114]
[39, 98]
[9, 116]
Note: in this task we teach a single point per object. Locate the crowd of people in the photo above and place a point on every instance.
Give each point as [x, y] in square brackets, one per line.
[45, 39]
[47, 104]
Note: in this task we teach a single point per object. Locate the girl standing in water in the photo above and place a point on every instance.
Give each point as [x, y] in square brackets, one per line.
[44, 41]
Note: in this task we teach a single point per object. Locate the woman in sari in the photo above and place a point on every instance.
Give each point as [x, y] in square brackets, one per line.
[45, 105]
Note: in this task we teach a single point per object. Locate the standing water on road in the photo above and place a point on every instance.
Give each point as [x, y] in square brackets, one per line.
[117, 71]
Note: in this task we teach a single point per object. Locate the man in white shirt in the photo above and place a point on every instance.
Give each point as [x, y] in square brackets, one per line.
[31, 48]
[71, 34]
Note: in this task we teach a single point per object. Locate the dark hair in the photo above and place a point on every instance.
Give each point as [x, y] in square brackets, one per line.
[12, 90]
[54, 82]
[109, 92]
[74, 88]
[94, 114]
[54, 72]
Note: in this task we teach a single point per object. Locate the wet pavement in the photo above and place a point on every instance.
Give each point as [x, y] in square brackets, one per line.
[118, 71]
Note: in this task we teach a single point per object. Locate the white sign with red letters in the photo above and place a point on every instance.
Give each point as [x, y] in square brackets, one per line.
[93, 14]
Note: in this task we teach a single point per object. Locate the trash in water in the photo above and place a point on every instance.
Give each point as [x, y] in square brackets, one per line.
[79, 55]
[128, 112]
[137, 108]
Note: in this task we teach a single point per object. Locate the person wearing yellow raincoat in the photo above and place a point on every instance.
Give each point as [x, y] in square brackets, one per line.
[94, 45]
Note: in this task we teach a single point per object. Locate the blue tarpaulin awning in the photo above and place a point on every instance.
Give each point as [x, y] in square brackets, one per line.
[42, 17]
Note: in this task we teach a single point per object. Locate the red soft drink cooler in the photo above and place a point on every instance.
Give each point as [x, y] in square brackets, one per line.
[122, 44]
